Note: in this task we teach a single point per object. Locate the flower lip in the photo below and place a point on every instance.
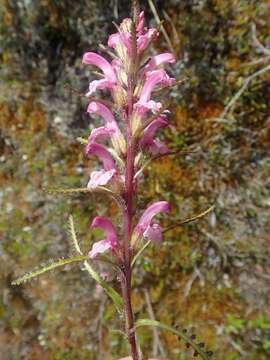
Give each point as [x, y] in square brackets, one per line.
[100, 178]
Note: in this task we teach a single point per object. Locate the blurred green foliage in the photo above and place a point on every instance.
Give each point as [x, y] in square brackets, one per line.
[211, 277]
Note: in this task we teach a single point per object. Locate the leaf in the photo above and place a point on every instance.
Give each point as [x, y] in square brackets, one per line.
[52, 266]
[116, 298]
[183, 335]
[73, 234]
[139, 253]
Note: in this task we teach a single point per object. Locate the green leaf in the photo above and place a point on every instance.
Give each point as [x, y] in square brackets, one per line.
[44, 269]
[116, 298]
[183, 335]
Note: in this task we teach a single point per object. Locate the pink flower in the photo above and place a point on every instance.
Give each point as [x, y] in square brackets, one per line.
[99, 133]
[111, 128]
[100, 178]
[118, 40]
[165, 58]
[100, 109]
[140, 26]
[144, 40]
[109, 80]
[154, 233]
[144, 226]
[153, 79]
[110, 242]
[102, 153]
[148, 141]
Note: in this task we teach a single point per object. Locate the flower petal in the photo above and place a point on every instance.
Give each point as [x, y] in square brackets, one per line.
[99, 133]
[148, 141]
[140, 26]
[100, 178]
[99, 248]
[154, 233]
[99, 85]
[100, 109]
[151, 129]
[153, 79]
[92, 58]
[149, 213]
[145, 39]
[102, 153]
[111, 240]
[165, 58]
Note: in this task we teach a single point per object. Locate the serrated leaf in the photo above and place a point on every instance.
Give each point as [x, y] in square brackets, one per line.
[116, 298]
[184, 336]
[48, 267]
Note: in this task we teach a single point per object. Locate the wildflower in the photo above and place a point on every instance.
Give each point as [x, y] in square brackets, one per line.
[111, 129]
[110, 242]
[101, 177]
[109, 80]
[145, 228]
[148, 142]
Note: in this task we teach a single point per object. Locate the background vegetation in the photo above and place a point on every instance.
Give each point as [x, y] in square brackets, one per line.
[211, 277]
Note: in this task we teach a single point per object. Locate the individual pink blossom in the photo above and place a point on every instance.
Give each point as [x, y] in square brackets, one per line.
[110, 242]
[96, 107]
[110, 129]
[145, 227]
[157, 60]
[154, 78]
[148, 141]
[102, 153]
[109, 81]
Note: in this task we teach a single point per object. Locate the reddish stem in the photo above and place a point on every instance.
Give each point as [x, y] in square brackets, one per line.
[129, 198]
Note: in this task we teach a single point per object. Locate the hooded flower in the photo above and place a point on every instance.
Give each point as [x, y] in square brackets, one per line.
[109, 81]
[158, 60]
[101, 177]
[110, 242]
[145, 227]
[153, 79]
[110, 129]
[148, 142]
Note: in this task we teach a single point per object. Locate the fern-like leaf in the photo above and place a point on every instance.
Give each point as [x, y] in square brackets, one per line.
[74, 235]
[51, 266]
[181, 334]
